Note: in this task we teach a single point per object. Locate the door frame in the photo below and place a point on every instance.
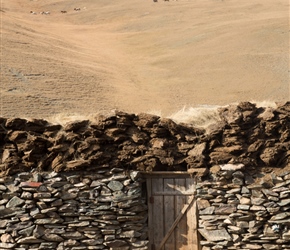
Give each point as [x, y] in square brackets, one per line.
[191, 204]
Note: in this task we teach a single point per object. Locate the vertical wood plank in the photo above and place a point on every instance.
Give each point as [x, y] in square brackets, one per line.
[169, 212]
[190, 228]
[190, 184]
[150, 213]
[177, 220]
[158, 212]
[191, 218]
[181, 229]
[164, 210]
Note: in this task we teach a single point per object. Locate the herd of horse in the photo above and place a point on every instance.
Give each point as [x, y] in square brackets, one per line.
[64, 11]
[48, 12]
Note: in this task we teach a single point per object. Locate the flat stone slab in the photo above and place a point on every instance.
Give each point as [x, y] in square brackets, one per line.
[215, 235]
[7, 245]
[232, 167]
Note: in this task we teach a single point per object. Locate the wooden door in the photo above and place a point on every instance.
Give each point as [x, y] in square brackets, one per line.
[172, 213]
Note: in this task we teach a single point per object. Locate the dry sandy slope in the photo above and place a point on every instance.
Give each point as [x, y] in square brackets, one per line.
[141, 56]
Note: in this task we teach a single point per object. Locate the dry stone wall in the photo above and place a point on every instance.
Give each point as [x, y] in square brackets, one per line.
[245, 134]
[144, 142]
[73, 211]
[235, 212]
[46, 205]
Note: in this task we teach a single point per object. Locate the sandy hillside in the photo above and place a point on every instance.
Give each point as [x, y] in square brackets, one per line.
[141, 56]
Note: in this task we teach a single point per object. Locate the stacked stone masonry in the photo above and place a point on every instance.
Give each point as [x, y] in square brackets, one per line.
[59, 183]
[73, 211]
[243, 133]
[235, 212]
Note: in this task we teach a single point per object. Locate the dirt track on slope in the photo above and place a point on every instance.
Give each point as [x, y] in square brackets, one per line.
[140, 56]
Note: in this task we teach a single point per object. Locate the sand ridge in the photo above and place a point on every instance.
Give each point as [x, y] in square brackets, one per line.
[141, 56]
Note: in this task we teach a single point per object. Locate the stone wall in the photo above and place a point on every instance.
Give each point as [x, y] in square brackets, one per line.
[243, 133]
[73, 211]
[238, 212]
[77, 182]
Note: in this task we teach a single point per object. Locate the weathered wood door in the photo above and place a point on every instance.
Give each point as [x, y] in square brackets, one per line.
[172, 213]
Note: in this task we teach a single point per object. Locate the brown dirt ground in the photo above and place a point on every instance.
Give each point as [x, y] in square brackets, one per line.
[141, 56]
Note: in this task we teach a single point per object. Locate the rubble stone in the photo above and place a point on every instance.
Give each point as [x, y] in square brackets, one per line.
[74, 186]
[73, 220]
